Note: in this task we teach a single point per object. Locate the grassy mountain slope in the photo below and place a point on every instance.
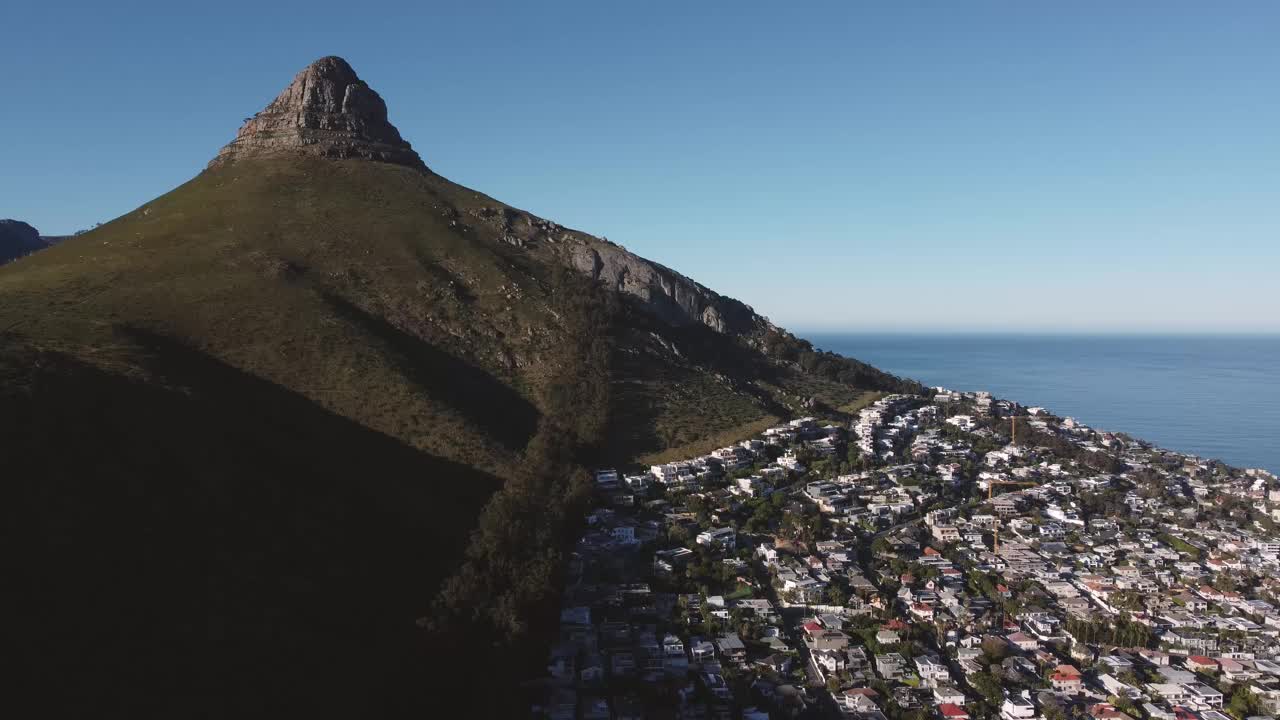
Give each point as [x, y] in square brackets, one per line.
[374, 290]
[250, 425]
[340, 281]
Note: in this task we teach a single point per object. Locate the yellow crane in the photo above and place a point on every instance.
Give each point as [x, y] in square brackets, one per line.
[991, 491]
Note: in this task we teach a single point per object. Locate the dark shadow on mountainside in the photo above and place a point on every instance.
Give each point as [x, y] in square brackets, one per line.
[216, 545]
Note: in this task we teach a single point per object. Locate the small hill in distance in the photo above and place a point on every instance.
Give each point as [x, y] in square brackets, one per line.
[19, 239]
[277, 437]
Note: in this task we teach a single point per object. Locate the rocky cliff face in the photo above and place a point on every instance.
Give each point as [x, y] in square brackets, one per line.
[326, 111]
[672, 297]
[664, 292]
[17, 239]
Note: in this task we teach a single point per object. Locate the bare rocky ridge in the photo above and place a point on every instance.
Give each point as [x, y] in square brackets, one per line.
[666, 293]
[326, 111]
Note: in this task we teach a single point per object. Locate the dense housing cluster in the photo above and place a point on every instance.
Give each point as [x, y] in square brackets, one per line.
[946, 555]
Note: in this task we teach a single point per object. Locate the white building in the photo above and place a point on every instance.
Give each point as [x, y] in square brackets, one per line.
[931, 670]
[1018, 707]
[724, 538]
[750, 486]
[1203, 697]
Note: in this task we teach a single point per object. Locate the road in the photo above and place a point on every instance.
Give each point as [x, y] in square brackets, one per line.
[792, 617]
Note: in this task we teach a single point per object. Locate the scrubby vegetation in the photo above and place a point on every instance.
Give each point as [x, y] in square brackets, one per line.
[847, 371]
[708, 443]
[504, 600]
[253, 424]
[255, 421]
[195, 540]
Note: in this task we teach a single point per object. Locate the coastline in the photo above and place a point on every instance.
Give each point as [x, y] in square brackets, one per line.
[1215, 396]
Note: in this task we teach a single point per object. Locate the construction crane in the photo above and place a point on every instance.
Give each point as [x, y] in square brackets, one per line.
[991, 491]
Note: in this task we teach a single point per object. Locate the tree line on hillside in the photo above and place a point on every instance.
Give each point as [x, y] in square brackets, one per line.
[498, 613]
[1119, 632]
[826, 364]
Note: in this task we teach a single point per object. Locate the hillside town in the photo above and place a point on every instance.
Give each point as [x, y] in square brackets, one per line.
[948, 556]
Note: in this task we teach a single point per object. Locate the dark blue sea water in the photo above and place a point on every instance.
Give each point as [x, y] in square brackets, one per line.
[1217, 397]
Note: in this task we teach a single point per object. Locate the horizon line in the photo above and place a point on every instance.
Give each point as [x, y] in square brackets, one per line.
[1064, 332]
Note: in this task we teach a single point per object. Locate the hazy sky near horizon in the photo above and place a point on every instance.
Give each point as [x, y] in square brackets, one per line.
[1092, 166]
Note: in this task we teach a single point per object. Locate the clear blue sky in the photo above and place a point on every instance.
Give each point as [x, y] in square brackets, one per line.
[943, 165]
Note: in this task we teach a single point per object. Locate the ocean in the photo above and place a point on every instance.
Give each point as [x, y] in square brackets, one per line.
[1212, 396]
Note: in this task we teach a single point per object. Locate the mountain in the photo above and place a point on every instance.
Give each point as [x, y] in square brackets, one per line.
[327, 111]
[18, 239]
[279, 436]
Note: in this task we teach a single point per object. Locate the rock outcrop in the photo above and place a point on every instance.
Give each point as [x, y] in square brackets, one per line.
[327, 111]
[662, 291]
[17, 239]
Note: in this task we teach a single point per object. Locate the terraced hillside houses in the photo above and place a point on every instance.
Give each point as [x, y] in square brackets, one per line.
[951, 555]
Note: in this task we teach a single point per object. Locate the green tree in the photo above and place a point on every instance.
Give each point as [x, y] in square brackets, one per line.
[988, 686]
[679, 534]
[994, 649]
[881, 546]
[1244, 703]
[1224, 583]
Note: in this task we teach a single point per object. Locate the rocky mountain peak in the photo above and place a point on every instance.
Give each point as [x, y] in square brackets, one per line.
[327, 111]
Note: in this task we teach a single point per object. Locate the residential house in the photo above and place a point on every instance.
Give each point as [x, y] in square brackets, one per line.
[672, 645]
[723, 538]
[1066, 679]
[1018, 707]
[732, 648]
[860, 700]
[1115, 687]
[931, 670]
[820, 638]
[1022, 642]
[944, 694]
[776, 662]
[702, 650]
[1203, 697]
[830, 661]
[1172, 693]
[887, 637]
[1200, 663]
[890, 665]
